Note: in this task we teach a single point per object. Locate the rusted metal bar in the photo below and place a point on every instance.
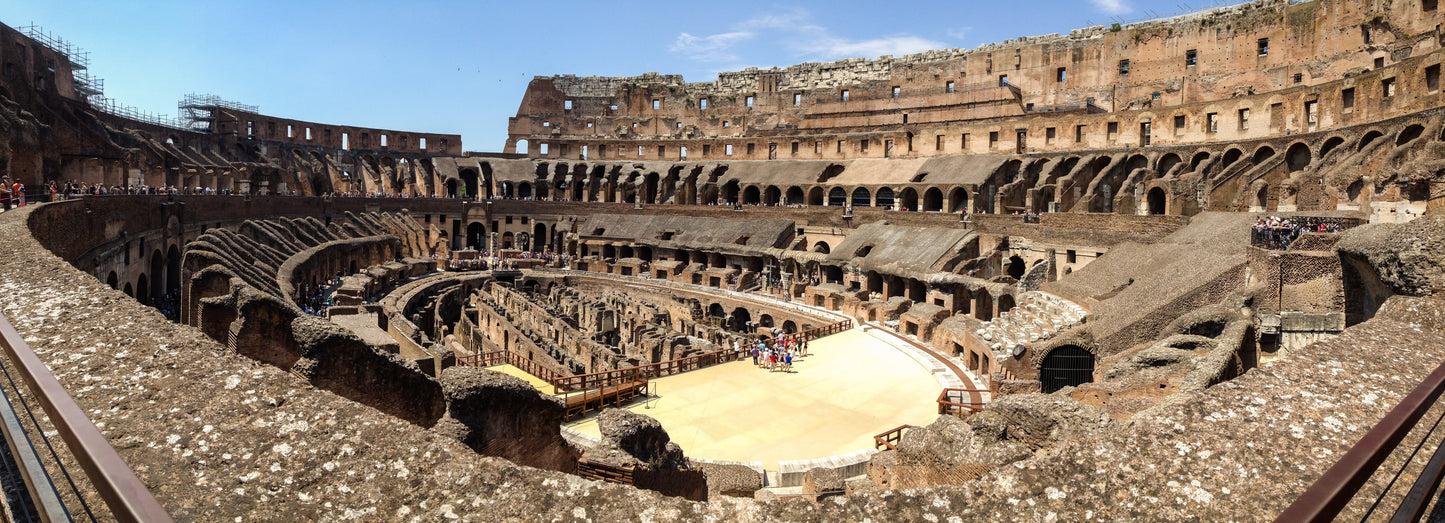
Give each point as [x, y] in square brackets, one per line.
[125, 494]
[1415, 502]
[1333, 490]
[27, 462]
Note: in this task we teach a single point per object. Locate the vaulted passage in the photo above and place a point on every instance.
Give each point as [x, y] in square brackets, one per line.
[1066, 366]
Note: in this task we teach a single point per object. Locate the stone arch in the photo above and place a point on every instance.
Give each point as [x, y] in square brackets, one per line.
[789, 327]
[957, 199]
[113, 281]
[1233, 154]
[1368, 138]
[861, 197]
[476, 236]
[752, 196]
[739, 319]
[772, 195]
[540, 239]
[1409, 134]
[815, 196]
[1158, 201]
[470, 183]
[884, 197]
[649, 188]
[1330, 144]
[128, 290]
[908, 199]
[1066, 366]
[143, 290]
[1006, 303]
[822, 247]
[982, 305]
[157, 276]
[1261, 198]
[837, 197]
[730, 191]
[795, 196]
[1298, 157]
[1264, 152]
[1167, 162]
[1135, 162]
[524, 190]
[933, 200]
[173, 272]
[1197, 159]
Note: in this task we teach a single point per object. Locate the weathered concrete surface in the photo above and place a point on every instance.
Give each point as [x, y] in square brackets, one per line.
[1410, 258]
[502, 415]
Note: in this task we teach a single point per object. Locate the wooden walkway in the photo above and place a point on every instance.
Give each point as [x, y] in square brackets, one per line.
[581, 402]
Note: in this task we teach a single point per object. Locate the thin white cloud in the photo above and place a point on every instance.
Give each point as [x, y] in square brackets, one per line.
[710, 48]
[1113, 7]
[831, 48]
[794, 29]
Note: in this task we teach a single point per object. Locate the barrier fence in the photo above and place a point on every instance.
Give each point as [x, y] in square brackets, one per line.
[1279, 237]
[123, 493]
[492, 359]
[955, 401]
[890, 438]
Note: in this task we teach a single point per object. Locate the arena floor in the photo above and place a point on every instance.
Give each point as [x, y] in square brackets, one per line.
[851, 387]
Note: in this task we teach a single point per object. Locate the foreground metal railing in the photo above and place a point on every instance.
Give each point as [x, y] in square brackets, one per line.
[124, 493]
[1333, 491]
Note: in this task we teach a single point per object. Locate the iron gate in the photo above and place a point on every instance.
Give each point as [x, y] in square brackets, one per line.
[1066, 366]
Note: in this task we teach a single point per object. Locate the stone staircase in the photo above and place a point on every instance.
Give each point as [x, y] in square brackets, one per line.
[1038, 316]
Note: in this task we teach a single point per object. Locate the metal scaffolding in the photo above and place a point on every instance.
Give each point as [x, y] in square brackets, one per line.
[92, 90]
[198, 111]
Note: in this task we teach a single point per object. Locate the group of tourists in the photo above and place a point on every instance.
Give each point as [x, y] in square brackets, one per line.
[777, 357]
[315, 300]
[1274, 232]
[12, 193]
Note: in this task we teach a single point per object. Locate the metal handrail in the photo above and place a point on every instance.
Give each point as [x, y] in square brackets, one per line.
[124, 493]
[1333, 491]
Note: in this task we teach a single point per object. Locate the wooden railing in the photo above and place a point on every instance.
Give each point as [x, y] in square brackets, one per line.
[492, 359]
[955, 401]
[826, 330]
[607, 378]
[890, 438]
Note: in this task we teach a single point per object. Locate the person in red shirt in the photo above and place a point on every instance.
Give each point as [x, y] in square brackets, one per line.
[17, 192]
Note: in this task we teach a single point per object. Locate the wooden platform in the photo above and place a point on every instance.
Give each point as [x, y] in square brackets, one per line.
[601, 472]
[580, 403]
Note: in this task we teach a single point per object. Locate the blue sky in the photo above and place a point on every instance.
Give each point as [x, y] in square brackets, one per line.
[461, 67]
